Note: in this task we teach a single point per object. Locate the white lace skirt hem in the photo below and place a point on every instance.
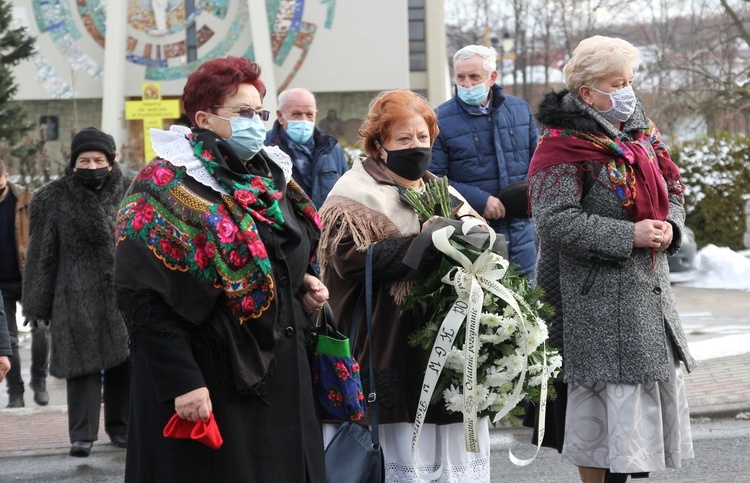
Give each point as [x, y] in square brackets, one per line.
[437, 443]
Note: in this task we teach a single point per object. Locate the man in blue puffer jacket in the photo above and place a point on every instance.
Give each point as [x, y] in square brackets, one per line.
[318, 160]
[485, 143]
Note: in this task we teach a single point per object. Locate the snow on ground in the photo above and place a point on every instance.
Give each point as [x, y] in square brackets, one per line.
[729, 345]
[721, 267]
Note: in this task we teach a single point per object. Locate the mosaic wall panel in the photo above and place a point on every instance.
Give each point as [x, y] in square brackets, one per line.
[157, 31]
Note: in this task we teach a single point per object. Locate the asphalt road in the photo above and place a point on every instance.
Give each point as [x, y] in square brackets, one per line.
[721, 448]
[721, 455]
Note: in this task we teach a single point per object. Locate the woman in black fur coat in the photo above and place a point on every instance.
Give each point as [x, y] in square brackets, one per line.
[68, 281]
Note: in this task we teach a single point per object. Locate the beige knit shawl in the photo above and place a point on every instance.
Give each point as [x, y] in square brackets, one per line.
[369, 211]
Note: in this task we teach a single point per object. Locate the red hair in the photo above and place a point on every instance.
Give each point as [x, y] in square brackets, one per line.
[390, 108]
[217, 79]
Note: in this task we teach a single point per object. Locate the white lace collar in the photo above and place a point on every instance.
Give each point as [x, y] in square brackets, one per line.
[281, 159]
[174, 147]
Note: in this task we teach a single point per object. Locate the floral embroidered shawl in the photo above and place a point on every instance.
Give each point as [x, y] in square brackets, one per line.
[209, 237]
[637, 169]
[215, 241]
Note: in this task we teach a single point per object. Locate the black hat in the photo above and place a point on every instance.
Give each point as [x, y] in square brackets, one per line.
[92, 139]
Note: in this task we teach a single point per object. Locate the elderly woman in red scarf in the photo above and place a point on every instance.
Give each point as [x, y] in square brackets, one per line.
[213, 266]
[608, 207]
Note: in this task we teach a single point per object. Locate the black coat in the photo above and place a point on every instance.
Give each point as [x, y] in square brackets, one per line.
[272, 434]
[69, 273]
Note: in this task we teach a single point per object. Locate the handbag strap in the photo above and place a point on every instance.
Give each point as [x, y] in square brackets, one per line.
[372, 397]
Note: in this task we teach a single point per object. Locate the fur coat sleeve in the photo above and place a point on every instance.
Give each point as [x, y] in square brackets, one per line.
[41, 258]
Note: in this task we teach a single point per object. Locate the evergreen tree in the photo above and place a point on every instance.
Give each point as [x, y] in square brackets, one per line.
[15, 45]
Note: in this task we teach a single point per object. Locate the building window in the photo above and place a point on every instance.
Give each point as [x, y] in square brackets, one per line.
[417, 43]
[51, 131]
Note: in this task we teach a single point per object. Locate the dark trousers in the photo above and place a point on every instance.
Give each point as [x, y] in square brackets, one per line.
[40, 343]
[85, 399]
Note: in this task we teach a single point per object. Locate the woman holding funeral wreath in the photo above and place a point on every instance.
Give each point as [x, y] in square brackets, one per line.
[365, 208]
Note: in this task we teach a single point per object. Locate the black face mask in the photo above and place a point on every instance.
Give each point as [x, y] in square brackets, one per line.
[92, 178]
[410, 163]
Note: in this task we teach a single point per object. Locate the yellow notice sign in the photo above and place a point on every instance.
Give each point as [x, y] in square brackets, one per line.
[152, 110]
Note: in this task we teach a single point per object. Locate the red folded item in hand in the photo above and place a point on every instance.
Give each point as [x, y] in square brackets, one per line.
[206, 433]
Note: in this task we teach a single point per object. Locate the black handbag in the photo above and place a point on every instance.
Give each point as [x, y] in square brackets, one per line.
[515, 199]
[354, 454]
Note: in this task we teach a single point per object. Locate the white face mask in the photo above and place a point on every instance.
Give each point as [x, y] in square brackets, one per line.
[623, 104]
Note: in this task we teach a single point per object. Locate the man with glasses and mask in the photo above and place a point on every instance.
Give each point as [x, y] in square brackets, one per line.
[14, 240]
[317, 157]
[484, 147]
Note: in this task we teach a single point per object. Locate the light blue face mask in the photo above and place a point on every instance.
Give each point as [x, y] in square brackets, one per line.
[248, 135]
[473, 96]
[300, 131]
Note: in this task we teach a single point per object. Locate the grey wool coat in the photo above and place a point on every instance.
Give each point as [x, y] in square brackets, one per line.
[618, 310]
[69, 273]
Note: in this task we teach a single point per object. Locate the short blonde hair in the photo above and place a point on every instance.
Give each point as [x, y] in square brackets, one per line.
[597, 57]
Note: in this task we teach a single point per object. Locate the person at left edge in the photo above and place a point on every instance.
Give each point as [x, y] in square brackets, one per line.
[68, 282]
[213, 269]
[14, 242]
[318, 160]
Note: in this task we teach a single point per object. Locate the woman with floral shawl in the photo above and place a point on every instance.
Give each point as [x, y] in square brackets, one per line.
[607, 203]
[213, 266]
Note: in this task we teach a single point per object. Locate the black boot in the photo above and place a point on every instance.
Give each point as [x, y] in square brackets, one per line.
[15, 400]
[39, 386]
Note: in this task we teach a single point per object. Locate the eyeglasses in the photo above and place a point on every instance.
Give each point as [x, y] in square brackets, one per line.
[248, 112]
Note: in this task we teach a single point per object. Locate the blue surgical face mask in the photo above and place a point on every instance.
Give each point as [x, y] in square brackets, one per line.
[473, 96]
[300, 131]
[248, 135]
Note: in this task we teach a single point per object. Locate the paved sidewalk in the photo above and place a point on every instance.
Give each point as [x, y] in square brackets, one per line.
[26, 431]
[718, 388]
[40, 428]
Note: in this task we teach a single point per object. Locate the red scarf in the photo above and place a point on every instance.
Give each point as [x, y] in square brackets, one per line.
[637, 169]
